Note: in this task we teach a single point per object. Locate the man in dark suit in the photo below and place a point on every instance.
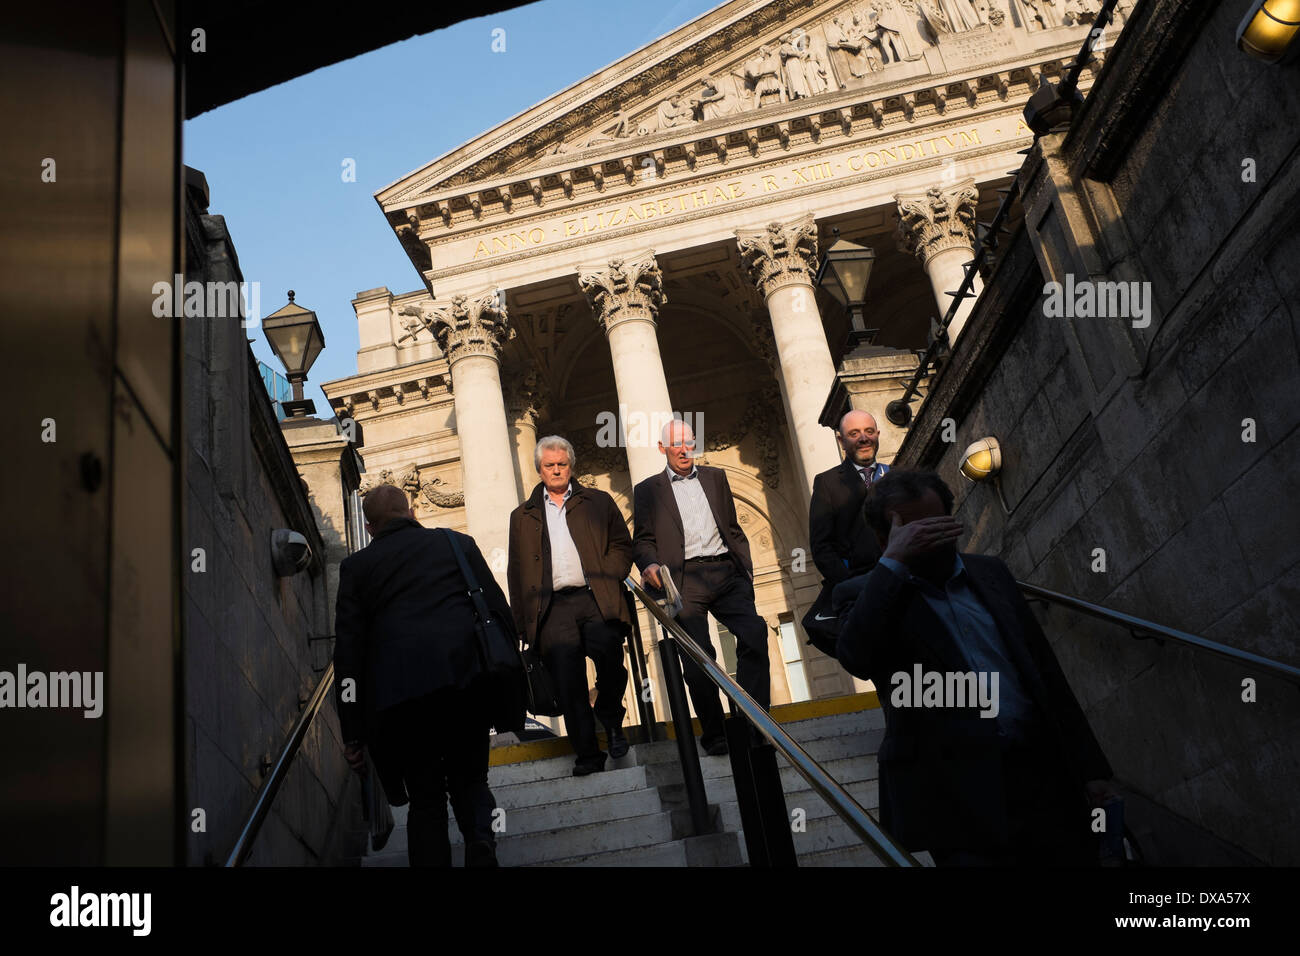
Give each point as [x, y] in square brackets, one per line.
[408, 676]
[569, 554]
[842, 546]
[1007, 780]
[685, 521]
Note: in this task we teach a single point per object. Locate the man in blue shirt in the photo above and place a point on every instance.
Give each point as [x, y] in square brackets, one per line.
[974, 780]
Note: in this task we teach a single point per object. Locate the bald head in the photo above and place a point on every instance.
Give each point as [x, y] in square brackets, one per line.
[859, 437]
[383, 503]
[677, 444]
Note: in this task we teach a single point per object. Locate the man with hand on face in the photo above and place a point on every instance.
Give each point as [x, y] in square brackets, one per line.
[685, 521]
[842, 545]
[1006, 785]
[569, 554]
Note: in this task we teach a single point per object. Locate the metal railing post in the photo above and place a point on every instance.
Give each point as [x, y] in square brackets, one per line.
[640, 673]
[769, 841]
[687, 751]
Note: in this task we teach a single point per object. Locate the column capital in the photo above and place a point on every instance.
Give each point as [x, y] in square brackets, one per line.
[525, 396]
[780, 254]
[627, 290]
[467, 325]
[942, 217]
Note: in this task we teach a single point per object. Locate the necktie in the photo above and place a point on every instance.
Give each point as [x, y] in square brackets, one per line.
[689, 477]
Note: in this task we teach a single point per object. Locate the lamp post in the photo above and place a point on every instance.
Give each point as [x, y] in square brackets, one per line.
[296, 340]
[844, 273]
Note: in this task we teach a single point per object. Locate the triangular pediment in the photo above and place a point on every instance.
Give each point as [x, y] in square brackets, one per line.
[746, 61]
[743, 56]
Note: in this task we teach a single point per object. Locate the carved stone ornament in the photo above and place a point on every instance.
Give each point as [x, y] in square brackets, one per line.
[526, 396]
[625, 291]
[943, 217]
[780, 255]
[415, 489]
[467, 326]
[761, 418]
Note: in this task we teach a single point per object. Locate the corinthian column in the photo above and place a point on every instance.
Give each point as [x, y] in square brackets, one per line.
[782, 262]
[625, 300]
[524, 400]
[938, 227]
[471, 331]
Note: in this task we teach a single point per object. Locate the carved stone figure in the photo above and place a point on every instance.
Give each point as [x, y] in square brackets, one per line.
[870, 55]
[763, 75]
[898, 30]
[843, 49]
[1079, 11]
[934, 17]
[792, 63]
[961, 14]
[673, 112]
[1040, 14]
[715, 100]
[816, 69]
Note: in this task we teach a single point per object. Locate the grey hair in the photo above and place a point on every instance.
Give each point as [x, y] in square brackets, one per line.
[553, 441]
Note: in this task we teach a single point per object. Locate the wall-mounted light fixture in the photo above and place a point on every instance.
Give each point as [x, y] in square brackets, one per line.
[982, 462]
[1269, 29]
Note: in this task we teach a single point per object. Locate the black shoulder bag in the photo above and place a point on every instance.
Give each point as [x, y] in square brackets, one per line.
[503, 668]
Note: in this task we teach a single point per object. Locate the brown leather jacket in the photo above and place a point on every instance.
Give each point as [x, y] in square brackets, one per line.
[604, 546]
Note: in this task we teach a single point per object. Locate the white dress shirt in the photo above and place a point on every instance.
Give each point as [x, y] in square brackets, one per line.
[566, 564]
[698, 525]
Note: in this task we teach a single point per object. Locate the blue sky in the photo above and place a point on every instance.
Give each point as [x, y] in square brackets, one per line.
[273, 160]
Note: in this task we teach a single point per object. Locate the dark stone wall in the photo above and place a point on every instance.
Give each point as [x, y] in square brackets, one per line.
[1197, 525]
[248, 660]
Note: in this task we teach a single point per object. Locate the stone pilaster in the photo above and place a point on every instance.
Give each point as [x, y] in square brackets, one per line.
[625, 299]
[782, 262]
[471, 332]
[938, 227]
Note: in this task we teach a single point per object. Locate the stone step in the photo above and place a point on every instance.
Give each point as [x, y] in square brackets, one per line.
[571, 813]
[720, 788]
[821, 749]
[527, 849]
[713, 849]
[836, 725]
[814, 805]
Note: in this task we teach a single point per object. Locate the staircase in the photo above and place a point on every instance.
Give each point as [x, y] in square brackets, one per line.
[635, 813]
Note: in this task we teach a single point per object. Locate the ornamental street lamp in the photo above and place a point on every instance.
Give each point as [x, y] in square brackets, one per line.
[1269, 30]
[844, 273]
[296, 340]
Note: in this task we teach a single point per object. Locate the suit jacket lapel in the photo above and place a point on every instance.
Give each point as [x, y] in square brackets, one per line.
[668, 501]
[713, 493]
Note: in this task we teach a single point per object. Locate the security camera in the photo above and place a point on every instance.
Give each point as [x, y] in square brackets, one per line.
[290, 552]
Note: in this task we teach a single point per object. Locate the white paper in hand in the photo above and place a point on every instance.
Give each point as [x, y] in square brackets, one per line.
[672, 597]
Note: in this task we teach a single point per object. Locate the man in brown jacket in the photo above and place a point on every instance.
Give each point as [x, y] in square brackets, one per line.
[569, 553]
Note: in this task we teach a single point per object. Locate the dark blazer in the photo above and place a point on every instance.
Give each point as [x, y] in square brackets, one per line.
[941, 781]
[404, 624]
[604, 546]
[658, 534]
[842, 544]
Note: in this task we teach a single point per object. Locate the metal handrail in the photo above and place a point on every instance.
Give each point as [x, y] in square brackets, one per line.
[280, 770]
[1140, 627]
[839, 800]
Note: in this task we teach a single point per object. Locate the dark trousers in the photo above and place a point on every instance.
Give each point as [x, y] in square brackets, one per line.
[441, 741]
[1047, 817]
[720, 589]
[573, 630]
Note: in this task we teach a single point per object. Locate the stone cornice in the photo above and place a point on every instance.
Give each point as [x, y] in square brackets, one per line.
[1131, 83]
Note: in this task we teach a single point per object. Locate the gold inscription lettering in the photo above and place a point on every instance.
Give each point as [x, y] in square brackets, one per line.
[769, 184]
[736, 191]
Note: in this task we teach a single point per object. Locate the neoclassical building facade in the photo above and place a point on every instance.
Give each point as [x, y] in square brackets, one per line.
[646, 243]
